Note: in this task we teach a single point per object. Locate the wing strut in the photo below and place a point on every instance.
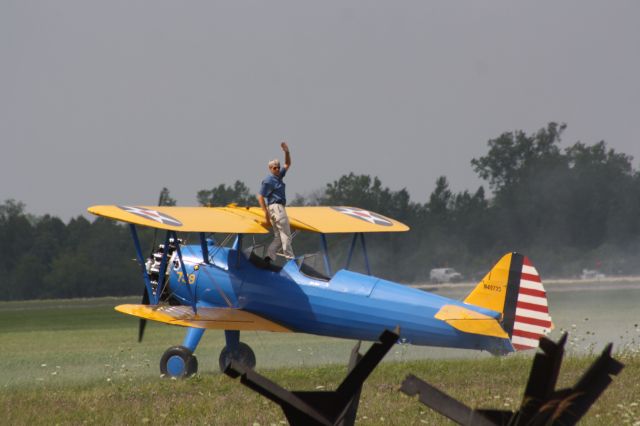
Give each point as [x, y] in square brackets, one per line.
[364, 251]
[204, 247]
[184, 272]
[163, 267]
[353, 246]
[237, 246]
[325, 253]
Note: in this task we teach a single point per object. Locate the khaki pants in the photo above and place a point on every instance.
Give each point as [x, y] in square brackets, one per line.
[281, 232]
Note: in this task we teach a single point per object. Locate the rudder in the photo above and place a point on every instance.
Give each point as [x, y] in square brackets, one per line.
[513, 288]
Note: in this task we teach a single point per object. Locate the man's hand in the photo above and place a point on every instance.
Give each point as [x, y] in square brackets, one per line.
[263, 204]
[287, 155]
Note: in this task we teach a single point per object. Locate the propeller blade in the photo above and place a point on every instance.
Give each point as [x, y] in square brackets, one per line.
[141, 326]
[143, 322]
[145, 297]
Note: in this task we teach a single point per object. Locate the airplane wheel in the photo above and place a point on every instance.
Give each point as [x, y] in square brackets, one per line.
[179, 362]
[243, 354]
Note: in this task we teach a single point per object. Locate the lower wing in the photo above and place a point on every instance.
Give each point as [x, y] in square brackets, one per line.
[216, 318]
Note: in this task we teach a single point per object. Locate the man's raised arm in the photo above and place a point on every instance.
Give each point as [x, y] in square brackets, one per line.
[287, 155]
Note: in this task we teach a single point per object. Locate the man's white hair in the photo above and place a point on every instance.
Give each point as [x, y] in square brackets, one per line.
[274, 162]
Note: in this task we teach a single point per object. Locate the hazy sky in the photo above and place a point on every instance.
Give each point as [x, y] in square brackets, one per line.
[105, 102]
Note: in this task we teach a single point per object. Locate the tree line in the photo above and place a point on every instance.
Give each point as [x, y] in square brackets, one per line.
[566, 208]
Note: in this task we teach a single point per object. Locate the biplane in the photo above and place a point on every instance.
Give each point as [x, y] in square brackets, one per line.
[228, 286]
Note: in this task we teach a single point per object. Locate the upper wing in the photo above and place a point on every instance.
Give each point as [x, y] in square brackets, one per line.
[251, 220]
[330, 219]
[184, 219]
[217, 318]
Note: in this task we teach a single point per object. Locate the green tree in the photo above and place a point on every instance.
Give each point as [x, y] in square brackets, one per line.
[440, 199]
[165, 198]
[367, 193]
[524, 172]
[566, 209]
[223, 195]
[559, 206]
[73, 274]
[26, 278]
[16, 233]
[16, 240]
[600, 206]
[385, 250]
[512, 154]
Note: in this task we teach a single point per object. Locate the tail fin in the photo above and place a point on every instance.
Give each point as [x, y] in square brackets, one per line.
[513, 288]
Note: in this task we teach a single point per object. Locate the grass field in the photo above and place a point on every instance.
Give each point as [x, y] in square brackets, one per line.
[78, 362]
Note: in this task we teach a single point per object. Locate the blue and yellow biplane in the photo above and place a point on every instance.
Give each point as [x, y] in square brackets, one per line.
[214, 285]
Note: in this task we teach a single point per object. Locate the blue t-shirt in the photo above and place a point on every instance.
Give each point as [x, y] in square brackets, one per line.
[273, 188]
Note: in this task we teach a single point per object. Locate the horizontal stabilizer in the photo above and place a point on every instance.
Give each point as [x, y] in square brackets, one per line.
[469, 321]
[213, 318]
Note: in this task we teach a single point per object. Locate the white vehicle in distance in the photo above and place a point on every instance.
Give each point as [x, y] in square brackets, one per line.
[445, 275]
[592, 274]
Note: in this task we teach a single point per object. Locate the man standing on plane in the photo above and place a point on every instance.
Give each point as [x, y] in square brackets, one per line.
[272, 199]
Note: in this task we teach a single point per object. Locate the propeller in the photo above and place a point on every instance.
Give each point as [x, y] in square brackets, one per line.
[145, 296]
[143, 322]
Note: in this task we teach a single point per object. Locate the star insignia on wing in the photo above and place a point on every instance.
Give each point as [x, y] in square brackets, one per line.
[154, 215]
[365, 215]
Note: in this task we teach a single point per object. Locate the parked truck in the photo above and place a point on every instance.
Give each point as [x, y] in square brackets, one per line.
[445, 275]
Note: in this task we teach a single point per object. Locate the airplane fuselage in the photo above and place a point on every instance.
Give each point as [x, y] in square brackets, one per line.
[349, 305]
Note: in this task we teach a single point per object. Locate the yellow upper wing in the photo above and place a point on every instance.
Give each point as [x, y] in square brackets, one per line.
[250, 220]
[184, 219]
[330, 219]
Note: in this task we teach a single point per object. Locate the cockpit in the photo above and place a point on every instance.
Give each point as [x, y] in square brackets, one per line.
[315, 265]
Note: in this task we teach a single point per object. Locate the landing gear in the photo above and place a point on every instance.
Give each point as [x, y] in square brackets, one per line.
[241, 353]
[178, 362]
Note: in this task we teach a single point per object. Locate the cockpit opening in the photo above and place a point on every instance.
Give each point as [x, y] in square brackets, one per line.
[258, 260]
[312, 265]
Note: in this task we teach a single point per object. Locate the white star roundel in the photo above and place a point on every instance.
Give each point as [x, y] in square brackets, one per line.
[154, 215]
[365, 215]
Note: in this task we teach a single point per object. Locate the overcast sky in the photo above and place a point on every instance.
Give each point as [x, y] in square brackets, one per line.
[105, 102]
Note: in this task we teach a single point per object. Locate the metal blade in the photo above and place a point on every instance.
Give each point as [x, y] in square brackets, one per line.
[143, 322]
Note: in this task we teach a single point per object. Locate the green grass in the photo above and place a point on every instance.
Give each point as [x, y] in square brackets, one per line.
[76, 362]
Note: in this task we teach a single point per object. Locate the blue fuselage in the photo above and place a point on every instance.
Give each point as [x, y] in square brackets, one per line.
[349, 305]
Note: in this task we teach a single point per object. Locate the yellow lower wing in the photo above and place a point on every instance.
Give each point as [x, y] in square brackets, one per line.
[216, 318]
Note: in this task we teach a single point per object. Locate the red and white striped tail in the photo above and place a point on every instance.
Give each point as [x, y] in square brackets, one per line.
[532, 320]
